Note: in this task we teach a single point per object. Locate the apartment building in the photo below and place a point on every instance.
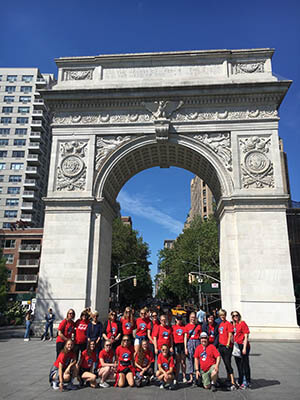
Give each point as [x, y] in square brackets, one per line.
[25, 143]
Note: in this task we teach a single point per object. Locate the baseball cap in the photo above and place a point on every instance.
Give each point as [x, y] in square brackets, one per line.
[203, 335]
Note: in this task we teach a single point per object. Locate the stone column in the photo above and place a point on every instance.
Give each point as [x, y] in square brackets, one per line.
[256, 274]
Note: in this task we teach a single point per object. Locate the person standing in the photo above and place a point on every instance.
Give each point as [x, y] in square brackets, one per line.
[241, 339]
[28, 322]
[128, 323]
[201, 316]
[112, 329]
[225, 346]
[50, 318]
[162, 334]
[141, 329]
[178, 338]
[211, 328]
[66, 330]
[81, 332]
[191, 341]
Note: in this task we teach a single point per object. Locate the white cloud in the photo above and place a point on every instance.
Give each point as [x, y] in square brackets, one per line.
[135, 206]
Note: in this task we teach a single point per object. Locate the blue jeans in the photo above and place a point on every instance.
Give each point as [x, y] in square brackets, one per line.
[49, 325]
[27, 329]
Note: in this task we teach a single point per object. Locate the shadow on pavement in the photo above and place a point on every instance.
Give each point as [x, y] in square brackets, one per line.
[259, 383]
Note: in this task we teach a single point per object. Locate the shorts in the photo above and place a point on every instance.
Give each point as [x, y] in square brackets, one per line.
[52, 373]
[206, 376]
[139, 339]
[179, 348]
[83, 370]
[125, 371]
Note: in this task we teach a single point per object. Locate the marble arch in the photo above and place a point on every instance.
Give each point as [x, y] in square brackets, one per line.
[214, 113]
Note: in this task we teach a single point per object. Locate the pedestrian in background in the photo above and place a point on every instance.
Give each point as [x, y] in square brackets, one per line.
[50, 318]
[28, 321]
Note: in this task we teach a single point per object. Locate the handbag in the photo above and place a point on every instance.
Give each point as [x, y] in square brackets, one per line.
[236, 352]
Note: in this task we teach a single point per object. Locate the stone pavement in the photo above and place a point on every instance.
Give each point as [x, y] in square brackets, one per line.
[24, 368]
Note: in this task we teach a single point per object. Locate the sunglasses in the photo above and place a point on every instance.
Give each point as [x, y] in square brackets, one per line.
[71, 313]
[235, 315]
[108, 345]
[125, 340]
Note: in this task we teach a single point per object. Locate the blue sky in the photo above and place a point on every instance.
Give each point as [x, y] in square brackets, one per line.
[34, 33]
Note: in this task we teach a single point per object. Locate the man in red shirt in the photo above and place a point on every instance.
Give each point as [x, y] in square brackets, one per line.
[207, 361]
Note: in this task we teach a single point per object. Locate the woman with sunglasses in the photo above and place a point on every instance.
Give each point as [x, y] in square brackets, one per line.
[141, 329]
[152, 324]
[125, 369]
[128, 323]
[241, 338]
[225, 346]
[86, 364]
[66, 330]
[107, 366]
[112, 329]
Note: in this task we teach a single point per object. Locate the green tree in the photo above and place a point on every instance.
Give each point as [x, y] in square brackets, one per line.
[127, 247]
[200, 239]
[3, 281]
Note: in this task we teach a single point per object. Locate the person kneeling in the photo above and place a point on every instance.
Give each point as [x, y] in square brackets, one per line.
[86, 365]
[165, 363]
[64, 370]
[207, 361]
[107, 366]
[143, 361]
[125, 369]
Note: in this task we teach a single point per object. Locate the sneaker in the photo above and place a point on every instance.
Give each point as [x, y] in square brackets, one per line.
[70, 386]
[243, 386]
[167, 385]
[184, 380]
[44, 339]
[152, 378]
[50, 340]
[104, 385]
[161, 386]
[213, 388]
[174, 382]
[55, 385]
[26, 340]
[232, 388]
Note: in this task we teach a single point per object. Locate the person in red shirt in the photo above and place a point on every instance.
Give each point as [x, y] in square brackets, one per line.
[178, 338]
[125, 369]
[165, 365]
[64, 368]
[241, 339]
[225, 345]
[207, 361]
[128, 323]
[162, 334]
[210, 326]
[86, 363]
[143, 362]
[112, 329]
[191, 341]
[66, 330]
[81, 330]
[141, 329]
[107, 367]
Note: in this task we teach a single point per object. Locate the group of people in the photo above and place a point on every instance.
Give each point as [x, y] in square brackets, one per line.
[138, 351]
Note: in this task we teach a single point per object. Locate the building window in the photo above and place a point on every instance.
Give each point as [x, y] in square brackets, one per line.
[2, 165]
[18, 142]
[9, 99]
[11, 78]
[9, 258]
[26, 89]
[12, 202]
[9, 274]
[8, 243]
[22, 120]
[7, 110]
[6, 120]
[23, 110]
[15, 178]
[20, 131]
[3, 142]
[18, 153]
[25, 99]
[16, 166]
[1, 178]
[10, 89]
[4, 131]
[3, 153]
[13, 190]
[27, 78]
[6, 225]
[10, 213]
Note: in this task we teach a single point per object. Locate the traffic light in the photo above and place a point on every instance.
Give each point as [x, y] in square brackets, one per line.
[134, 282]
[191, 278]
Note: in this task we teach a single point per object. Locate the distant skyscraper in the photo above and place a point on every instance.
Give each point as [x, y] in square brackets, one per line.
[25, 143]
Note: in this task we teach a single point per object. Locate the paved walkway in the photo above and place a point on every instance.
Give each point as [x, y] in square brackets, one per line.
[24, 368]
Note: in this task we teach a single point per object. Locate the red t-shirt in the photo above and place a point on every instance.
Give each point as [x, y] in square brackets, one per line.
[87, 361]
[125, 356]
[67, 327]
[224, 329]
[206, 356]
[65, 359]
[240, 330]
[127, 326]
[148, 359]
[81, 327]
[211, 333]
[141, 327]
[108, 357]
[189, 328]
[151, 327]
[178, 333]
[163, 335]
[166, 363]
[112, 329]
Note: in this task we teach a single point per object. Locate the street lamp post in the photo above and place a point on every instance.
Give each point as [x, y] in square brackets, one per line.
[118, 277]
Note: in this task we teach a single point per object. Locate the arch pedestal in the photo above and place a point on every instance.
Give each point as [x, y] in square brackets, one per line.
[214, 113]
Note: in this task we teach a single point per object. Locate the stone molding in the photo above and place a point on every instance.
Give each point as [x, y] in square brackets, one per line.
[248, 68]
[78, 74]
[106, 145]
[71, 170]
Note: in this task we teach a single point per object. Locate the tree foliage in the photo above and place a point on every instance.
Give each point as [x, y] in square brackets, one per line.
[127, 247]
[3, 281]
[200, 239]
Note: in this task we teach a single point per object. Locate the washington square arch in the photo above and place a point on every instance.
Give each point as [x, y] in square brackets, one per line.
[214, 113]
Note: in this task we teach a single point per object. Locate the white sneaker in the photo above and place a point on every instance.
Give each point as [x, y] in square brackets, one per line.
[43, 339]
[162, 386]
[26, 340]
[55, 386]
[184, 380]
[104, 385]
